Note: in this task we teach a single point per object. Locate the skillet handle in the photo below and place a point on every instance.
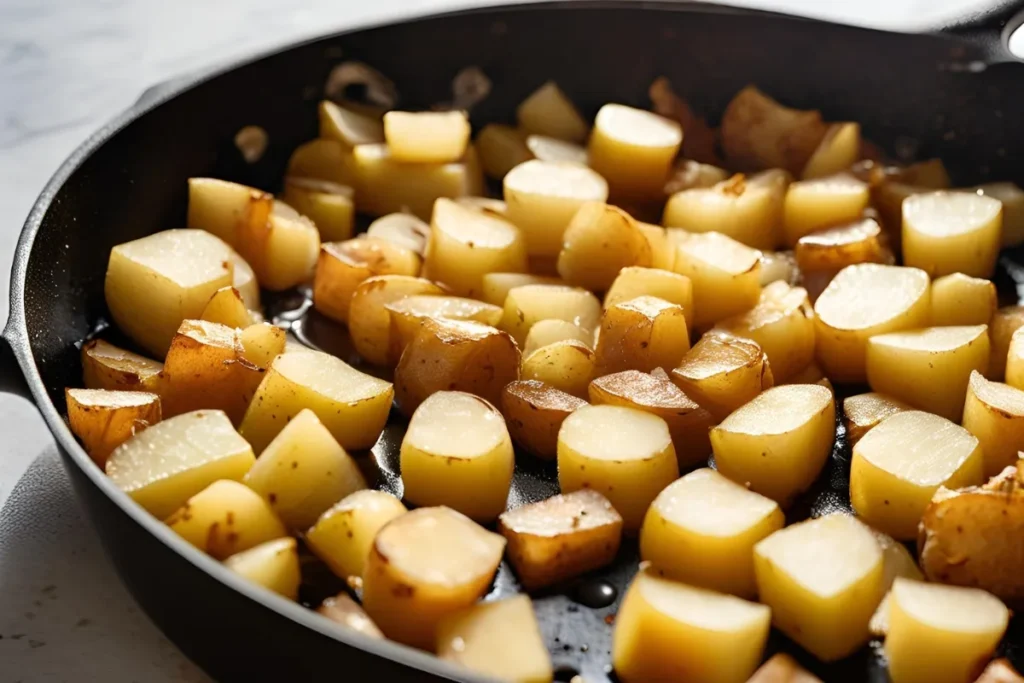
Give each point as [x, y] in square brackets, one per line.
[12, 379]
[988, 28]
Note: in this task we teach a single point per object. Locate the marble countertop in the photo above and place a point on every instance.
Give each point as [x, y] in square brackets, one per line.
[66, 66]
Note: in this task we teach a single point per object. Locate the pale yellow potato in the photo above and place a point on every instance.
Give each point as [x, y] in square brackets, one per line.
[959, 299]
[546, 148]
[466, 244]
[501, 149]
[757, 132]
[527, 305]
[1015, 361]
[369, 321]
[226, 518]
[542, 198]
[547, 111]
[323, 159]
[1012, 198]
[994, 414]
[667, 631]
[566, 365]
[782, 324]
[782, 668]
[273, 565]
[811, 374]
[830, 250]
[952, 232]
[641, 334]
[635, 281]
[244, 280]
[403, 230]
[779, 442]
[353, 406]
[623, 453]
[1004, 323]
[226, 307]
[534, 413]
[838, 151]
[168, 463]
[343, 266]
[599, 242]
[343, 610]
[284, 252]
[633, 150]
[105, 366]
[103, 419]
[424, 566]
[663, 251]
[702, 529]
[940, 634]
[822, 202]
[408, 314]
[862, 301]
[496, 286]
[748, 212]
[228, 210]
[455, 355]
[343, 535]
[500, 639]
[898, 466]
[722, 373]
[779, 265]
[863, 412]
[726, 276]
[488, 205]
[823, 579]
[688, 174]
[547, 332]
[155, 282]
[330, 206]
[897, 562]
[262, 343]
[348, 126]
[426, 137]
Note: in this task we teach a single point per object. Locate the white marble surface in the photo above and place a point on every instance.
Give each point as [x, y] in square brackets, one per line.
[65, 67]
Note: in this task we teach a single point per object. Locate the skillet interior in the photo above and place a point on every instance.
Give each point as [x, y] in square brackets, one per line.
[916, 95]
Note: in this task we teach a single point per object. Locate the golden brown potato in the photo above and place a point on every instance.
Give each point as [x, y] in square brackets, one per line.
[633, 282]
[343, 610]
[547, 111]
[863, 412]
[283, 253]
[600, 241]
[226, 307]
[837, 152]
[330, 206]
[633, 150]
[262, 343]
[1004, 323]
[348, 126]
[687, 174]
[343, 535]
[1012, 198]
[343, 266]
[228, 210]
[369, 321]
[426, 137]
[641, 334]
[758, 132]
[822, 202]
[746, 211]
[534, 412]
[722, 372]
[403, 230]
[726, 276]
[566, 365]
[701, 141]
[994, 414]
[323, 159]
[551, 331]
[496, 286]
[105, 366]
[407, 314]
[1015, 361]
[529, 304]
[832, 249]
[959, 299]
[782, 668]
[952, 232]
[501, 149]
[273, 565]
[103, 420]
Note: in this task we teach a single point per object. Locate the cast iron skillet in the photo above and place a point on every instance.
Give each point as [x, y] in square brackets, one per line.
[955, 95]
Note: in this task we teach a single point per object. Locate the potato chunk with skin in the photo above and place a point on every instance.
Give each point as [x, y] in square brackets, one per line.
[227, 308]
[496, 286]
[641, 334]
[273, 565]
[262, 343]
[952, 232]
[633, 150]
[548, 332]
[757, 132]
[347, 126]
[529, 304]
[782, 668]
[622, 453]
[424, 566]
[746, 211]
[1004, 323]
[290, 244]
[369, 320]
[501, 149]
[725, 276]
[722, 373]
[561, 537]
[353, 406]
[706, 515]
[226, 518]
[778, 443]
[403, 230]
[832, 249]
[667, 631]
[863, 412]
[343, 535]
[103, 420]
[323, 159]
[663, 252]
[941, 633]
[898, 466]
[407, 314]
[228, 210]
[105, 366]
[165, 465]
[330, 206]
[822, 579]
[547, 111]
[534, 413]
[426, 137]
[863, 301]
[994, 414]
[815, 204]
[958, 299]
[343, 266]
[567, 365]
[838, 151]
[343, 610]
[778, 265]
[634, 281]
[599, 242]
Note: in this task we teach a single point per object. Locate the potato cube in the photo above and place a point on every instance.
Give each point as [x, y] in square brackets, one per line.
[262, 343]
[424, 566]
[599, 242]
[822, 579]
[165, 465]
[344, 265]
[353, 406]
[898, 466]
[227, 308]
[369, 321]
[1004, 323]
[551, 331]
[426, 137]
[330, 206]
[323, 159]
[347, 126]
[896, 562]
[547, 111]
[782, 668]
[748, 212]
[688, 174]
[407, 314]
[633, 150]
[103, 419]
[722, 373]
[284, 252]
[959, 299]
[702, 529]
[725, 275]
[863, 412]
[830, 250]
[1015, 361]
[228, 210]
[663, 251]
[994, 414]
[634, 281]
[534, 412]
[501, 149]
[758, 132]
[815, 204]
[1012, 198]
[273, 565]
[344, 534]
[530, 304]
[343, 610]
[105, 366]
[778, 265]
[641, 334]
[838, 151]
[667, 631]
[952, 232]
[402, 230]
[552, 149]
[566, 365]
[496, 286]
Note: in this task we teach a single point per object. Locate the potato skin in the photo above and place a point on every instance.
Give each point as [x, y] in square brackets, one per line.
[105, 366]
[567, 365]
[534, 412]
[104, 422]
[342, 266]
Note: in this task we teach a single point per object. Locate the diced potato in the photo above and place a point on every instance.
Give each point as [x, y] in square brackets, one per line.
[529, 304]
[566, 365]
[757, 132]
[930, 173]
[343, 610]
[663, 251]
[641, 334]
[897, 562]
[1000, 671]
[667, 631]
[600, 241]
[547, 111]
[273, 565]
[782, 668]
[226, 518]
[547, 332]
[688, 423]
[959, 299]
[887, 198]
[353, 406]
[228, 210]
[779, 442]
[863, 301]
[547, 148]
[747, 212]
[323, 159]
[722, 373]
[501, 148]
[822, 579]
[500, 638]
[403, 230]
[705, 515]
[347, 126]
[424, 566]
[561, 537]
[168, 463]
[343, 266]
[1015, 361]
[407, 314]
[779, 265]
[244, 280]
[104, 419]
[622, 453]
[369, 321]
[455, 355]
[688, 174]
[864, 412]
[534, 413]
[830, 250]
[487, 205]
[105, 366]
[496, 286]
[426, 137]
[952, 232]
[227, 308]
[819, 203]
[838, 151]
[898, 466]
[633, 282]
[811, 374]
[725, 275]
[633, 150]
[344, 534]
[155, 282]
[283, 253]
[262, 343]
[1005, 322]
[1012, 198]
[329, 205]
[940, 634]
[994, 414]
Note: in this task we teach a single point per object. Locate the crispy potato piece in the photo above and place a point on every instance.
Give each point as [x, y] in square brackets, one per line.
[641, 334]
[547, 111]
[455, 355]
[863, 412]
[837, 151]
[705, 515]
[426, 137]
[403, 230]
[501, 148]
[782, 668]
[284, 251]
[757, 132]
[566, 365]
[343, 266]
[227, 308]
[1000, 671]
[1004, 323]
[687, 174]
[862, 301]
[534, 412]
[634, 281]
[226, 518]
[424, 566]
[330, 206]
[369, 321]
[496, 286]
[273, 565]
[622, 453]
[822, 579]
[600, 241]
[633, 150]
[348, 126]
[547, 148]
[952, 232]
[547, 332]
[668, 631]
[830, 250]
[529, 304]
[407, 314]
[103, 419]
[725, 275]
[105, 366]
[1012, 198]
[748, 212]
[819, 203]
[353, 406]
[959, 299]
[722, 373]
[994, 414]
[323, 159]
[898, 466]
[343, 610]
[344, 533]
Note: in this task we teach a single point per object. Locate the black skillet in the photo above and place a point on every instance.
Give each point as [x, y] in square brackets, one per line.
[954, 95]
